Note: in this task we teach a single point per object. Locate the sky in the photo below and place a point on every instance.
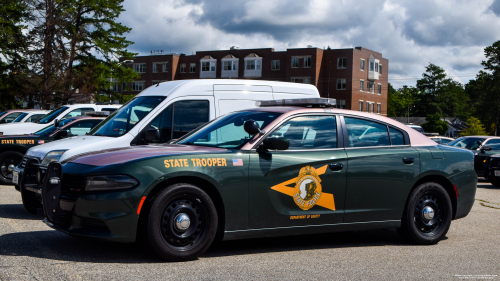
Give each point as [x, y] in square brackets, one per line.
[410, 34]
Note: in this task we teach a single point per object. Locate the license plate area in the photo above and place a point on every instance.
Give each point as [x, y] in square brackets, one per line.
[497, 173]
[15, 177]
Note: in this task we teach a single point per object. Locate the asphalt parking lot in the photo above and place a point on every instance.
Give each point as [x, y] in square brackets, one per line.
[29, 250]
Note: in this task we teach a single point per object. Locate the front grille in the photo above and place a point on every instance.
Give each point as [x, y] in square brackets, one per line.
[72, 185]
[23, 163]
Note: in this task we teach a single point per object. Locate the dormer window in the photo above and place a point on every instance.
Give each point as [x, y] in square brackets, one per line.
[229, 66]
[208, 67]
[253, 65]
[373, 72]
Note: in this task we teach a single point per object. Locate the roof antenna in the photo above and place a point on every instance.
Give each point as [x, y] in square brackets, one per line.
[161, 77]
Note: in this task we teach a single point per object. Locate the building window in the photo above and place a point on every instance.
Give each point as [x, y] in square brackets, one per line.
[155, 67]
[140, 67]
[183, 68]
[138, 85]
[361, 105]
[307, 62]
[342, 63]
[379, 89]
[367, 107]
[230, 65]
[371, 107]
[208, 66]
[341, 104]
[362, 65]
[372, 65]
[370, 87]
[164, 67]
[341, 84]
[304, 80]
[295, 62]
[378, 108]
[376, 66]
[275, 65]
[380, 69]
[361, 85]
[192, 67]
[252, 64]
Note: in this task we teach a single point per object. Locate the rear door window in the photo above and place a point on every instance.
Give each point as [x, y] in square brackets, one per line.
[366, 133]
[80, 128]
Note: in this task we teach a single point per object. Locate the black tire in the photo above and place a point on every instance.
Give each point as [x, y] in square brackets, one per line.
[426, 230]
[8, 158]
[171, 242]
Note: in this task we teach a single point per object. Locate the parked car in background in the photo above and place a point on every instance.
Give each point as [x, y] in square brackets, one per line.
[10, 115]
[13, 147]
[492, 166]
[481, 146]
[31, 116]
[442, 140]
[416, 128]
[60, 113]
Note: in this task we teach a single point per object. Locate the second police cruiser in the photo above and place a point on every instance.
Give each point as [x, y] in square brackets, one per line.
[158, 114]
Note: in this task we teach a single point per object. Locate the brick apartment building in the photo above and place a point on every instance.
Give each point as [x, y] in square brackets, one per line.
[356, 77]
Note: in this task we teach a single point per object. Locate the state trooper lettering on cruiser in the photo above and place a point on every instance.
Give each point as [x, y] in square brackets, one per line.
[195, 162]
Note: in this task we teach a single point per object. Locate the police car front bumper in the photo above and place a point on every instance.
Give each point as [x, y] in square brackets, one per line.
[105, 216]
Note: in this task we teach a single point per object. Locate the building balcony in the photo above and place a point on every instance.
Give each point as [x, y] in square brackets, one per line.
[229, 74]
[373, 75]
[254, 73]
[207, 74]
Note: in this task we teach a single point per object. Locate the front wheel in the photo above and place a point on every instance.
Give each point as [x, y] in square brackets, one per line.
[181, 222]
[8, 158]
[428, 214]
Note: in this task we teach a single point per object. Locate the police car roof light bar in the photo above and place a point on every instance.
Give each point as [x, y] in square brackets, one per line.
[312, 102]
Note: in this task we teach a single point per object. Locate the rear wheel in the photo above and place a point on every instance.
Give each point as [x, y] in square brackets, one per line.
[8, 158]
[428, 214]
[181, 222]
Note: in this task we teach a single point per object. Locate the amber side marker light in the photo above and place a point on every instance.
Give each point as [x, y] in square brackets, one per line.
[144, 198]
[456, 192]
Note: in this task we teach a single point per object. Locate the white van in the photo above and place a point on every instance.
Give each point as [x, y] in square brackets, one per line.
[168, 110]
[66, 111]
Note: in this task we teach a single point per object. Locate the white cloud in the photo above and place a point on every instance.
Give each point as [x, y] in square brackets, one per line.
[450, 34]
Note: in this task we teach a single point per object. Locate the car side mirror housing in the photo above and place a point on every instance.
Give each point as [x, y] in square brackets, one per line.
[253, 128]
[277, 143]
[152, 134]
[486, 148]
[57, 123]
[62, 134]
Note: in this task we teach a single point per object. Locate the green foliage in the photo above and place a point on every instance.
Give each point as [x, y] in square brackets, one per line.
[474, 128]
[398, 102]
[434, 124]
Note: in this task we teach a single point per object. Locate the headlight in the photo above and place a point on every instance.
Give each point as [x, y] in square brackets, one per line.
[109, 182]
[52, 156]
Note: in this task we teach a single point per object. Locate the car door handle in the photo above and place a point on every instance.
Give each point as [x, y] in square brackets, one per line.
[336, 166]
[408, 160]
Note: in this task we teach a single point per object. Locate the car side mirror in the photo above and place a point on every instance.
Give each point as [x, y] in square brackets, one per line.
[486, 148]
[253, 128]
[278, 143]
[57, 123]
[152, 134]
[62, 134]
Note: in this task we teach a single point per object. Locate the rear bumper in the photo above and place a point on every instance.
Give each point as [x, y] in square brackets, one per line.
[466, 184]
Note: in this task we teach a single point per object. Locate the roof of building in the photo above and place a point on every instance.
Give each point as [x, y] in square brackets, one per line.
[252, 55]
[229, 56]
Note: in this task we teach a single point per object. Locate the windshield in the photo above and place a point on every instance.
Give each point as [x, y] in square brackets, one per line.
[52, 115]
[467, 143]
[227, 131]
[20, 117]
[50, 129]
[125, 118]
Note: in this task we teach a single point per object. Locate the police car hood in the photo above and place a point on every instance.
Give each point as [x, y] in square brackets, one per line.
[73, 146]
[21, 128]
[126, 154]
